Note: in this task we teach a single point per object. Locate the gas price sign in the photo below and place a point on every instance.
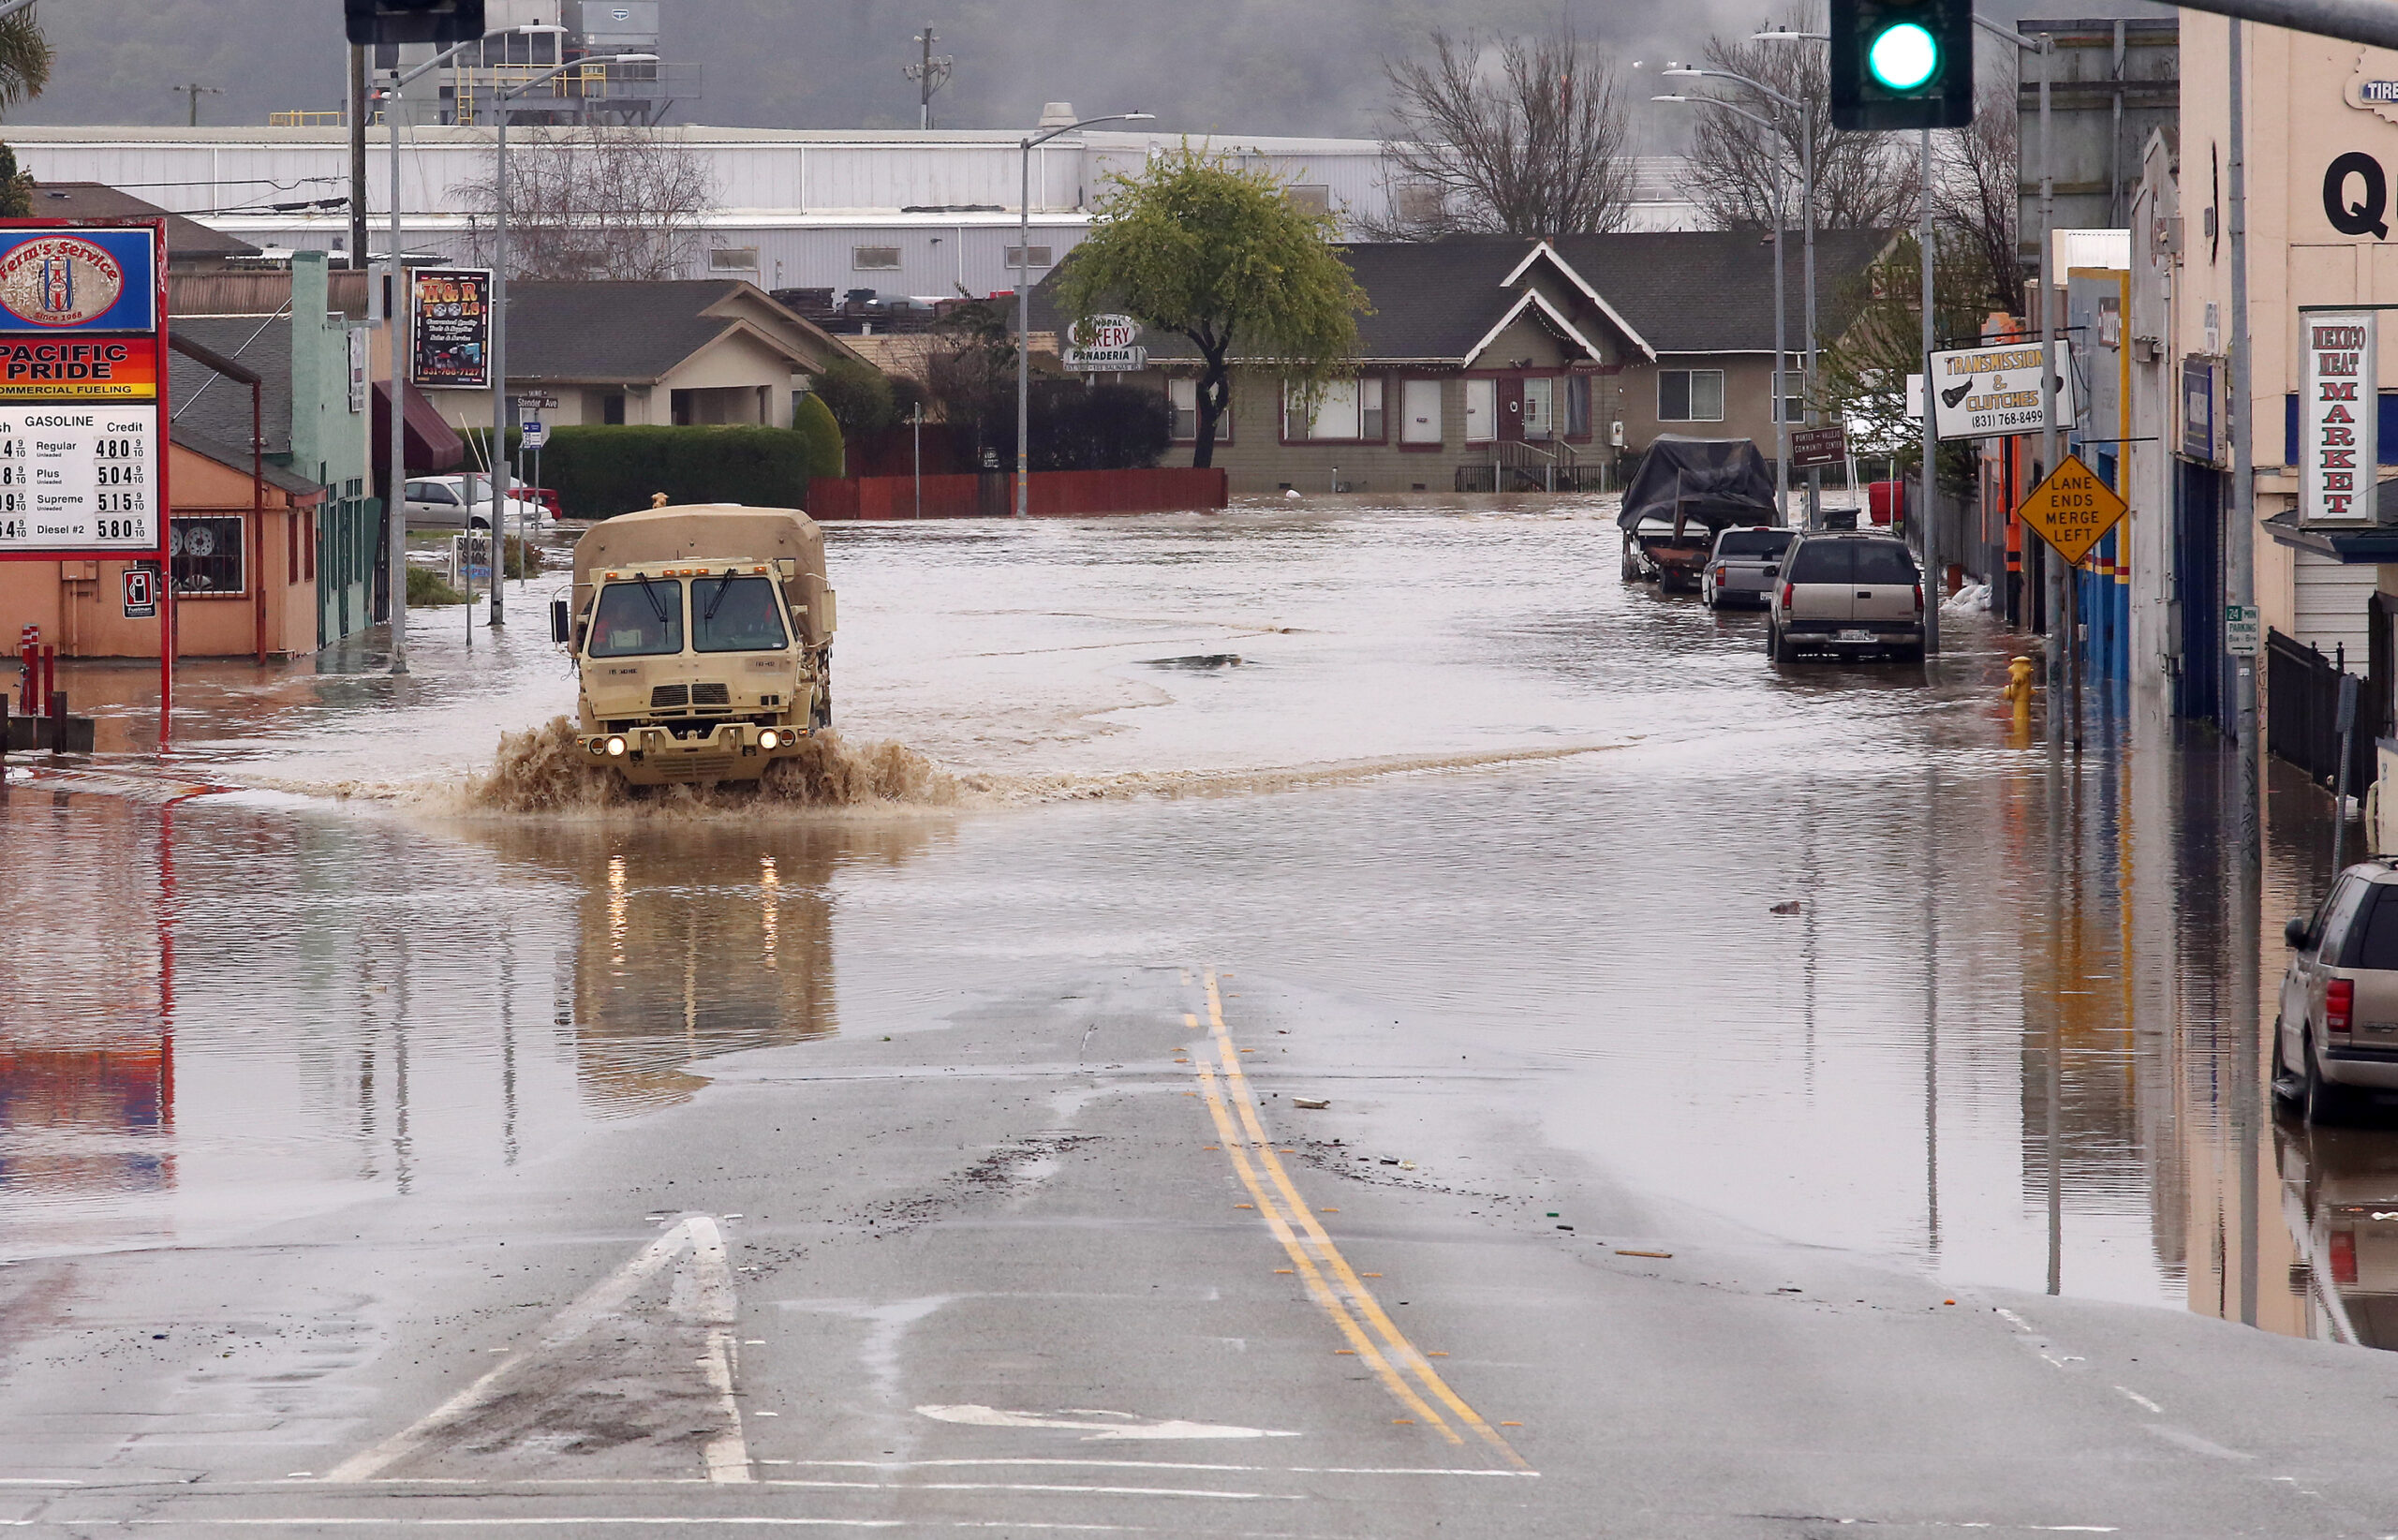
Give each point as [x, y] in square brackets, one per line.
[79, 478]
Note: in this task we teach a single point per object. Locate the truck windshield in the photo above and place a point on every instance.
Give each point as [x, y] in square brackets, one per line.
[735, 615]
[641, 619]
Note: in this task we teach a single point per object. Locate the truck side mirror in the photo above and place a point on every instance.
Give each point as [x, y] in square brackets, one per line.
[2294, 933]
[560, 629]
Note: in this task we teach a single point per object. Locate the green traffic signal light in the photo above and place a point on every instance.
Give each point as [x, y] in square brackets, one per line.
[1904, 57]
[1902, 65]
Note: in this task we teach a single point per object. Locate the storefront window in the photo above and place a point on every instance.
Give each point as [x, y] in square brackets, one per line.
[207, 553]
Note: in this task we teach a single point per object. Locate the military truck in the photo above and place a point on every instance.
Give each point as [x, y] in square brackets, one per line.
[702, 635]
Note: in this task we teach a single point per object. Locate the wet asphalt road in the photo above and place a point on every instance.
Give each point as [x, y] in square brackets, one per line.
[942, 1167]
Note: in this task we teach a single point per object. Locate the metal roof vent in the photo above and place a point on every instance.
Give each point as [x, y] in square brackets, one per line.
[1057, 114]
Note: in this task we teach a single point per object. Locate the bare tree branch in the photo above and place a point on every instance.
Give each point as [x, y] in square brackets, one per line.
[1515, 136]
[1974, 190]
[602, 202]
[1862, 181]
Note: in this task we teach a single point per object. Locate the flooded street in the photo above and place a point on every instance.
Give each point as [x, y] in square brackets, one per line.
[1589, 923]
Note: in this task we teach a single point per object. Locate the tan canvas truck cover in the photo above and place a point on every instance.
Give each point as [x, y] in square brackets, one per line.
[702, 533]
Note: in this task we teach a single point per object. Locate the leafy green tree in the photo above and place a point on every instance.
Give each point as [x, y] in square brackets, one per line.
[1873, 339]
[24, 71]
[815, 423]
[25, 58]
[858, 395]
[1201, 247]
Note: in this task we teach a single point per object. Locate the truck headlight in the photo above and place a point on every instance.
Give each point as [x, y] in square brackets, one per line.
[615, 748]
[769, 739]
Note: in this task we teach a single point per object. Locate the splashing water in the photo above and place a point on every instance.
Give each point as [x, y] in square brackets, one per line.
[544, 770]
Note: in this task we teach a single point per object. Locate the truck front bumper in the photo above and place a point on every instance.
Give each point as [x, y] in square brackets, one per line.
[654, 756]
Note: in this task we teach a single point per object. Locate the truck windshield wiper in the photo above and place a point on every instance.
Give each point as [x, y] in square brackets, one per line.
[723, 587]
[655, 602]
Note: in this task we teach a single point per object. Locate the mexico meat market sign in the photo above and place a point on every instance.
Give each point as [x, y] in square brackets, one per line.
[2337, 415]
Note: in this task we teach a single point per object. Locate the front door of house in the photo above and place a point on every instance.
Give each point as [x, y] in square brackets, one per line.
[1511, 409]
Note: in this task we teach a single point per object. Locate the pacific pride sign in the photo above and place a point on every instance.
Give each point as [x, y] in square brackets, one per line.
[2337, 452]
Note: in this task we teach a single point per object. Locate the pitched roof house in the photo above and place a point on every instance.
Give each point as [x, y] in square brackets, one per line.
[1493, 362]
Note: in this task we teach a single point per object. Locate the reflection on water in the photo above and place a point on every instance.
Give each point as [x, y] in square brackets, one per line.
[215, 1015]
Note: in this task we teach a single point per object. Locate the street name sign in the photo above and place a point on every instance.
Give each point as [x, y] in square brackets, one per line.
[1813, 447]
[2072, 508]
[1991, 392]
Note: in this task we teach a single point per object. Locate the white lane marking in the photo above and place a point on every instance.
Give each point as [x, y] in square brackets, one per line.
[2193, 1443]
[2138, 1399]
[596, 1304]
[991, 1416]
[1153, 1465]
[703, 1292]
[2019, 1322]
[1034, 1487]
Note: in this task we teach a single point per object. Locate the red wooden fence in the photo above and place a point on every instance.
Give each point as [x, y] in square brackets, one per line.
[991, 494]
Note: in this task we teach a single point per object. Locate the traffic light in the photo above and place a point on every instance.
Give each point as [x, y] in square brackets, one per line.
[1902, 63]
[442, 22]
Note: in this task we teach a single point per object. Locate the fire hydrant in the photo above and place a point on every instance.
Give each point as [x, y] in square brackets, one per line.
[2019, 688]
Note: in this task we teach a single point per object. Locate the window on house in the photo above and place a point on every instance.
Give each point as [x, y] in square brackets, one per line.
[1481, 411]
[1793, 396]
[1182, 396]
[1015, 256]
[733, 260]
[1344, 410]
[1419, 412]
[207, 553]
[1314, 200]
[1577, 405]
[873, 259]
[1419, 202]
[1690, 395]
[1540, 408]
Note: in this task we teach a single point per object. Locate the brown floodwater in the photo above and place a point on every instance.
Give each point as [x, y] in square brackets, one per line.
[1439, 763]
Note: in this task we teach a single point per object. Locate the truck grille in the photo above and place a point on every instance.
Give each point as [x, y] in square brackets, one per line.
[670, 695]
[711, 695]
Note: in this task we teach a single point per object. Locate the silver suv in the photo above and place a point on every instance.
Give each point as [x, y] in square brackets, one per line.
[1744, 565]
[2338, 1028]
[1847, 594]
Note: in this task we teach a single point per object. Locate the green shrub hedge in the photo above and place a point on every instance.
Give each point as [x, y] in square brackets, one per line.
[600, 471]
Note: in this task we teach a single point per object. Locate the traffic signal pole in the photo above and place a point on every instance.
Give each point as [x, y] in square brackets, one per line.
[1934, 586]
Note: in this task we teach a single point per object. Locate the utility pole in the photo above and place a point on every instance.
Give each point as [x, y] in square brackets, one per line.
[2240, 555]
[195, 91]
[929, 73]
[2052, 567]
[1934, 576]
[358, 111]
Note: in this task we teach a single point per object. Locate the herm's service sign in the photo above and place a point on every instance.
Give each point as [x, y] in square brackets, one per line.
[81, 468]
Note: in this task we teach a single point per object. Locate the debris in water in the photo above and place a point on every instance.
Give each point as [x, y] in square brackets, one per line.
[1311, 1102]
[1790, 907]
[1200, 660]
[1660, 1255]
[544, 770]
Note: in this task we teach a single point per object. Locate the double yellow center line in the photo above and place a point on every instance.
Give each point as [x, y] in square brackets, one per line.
[1331, 1283]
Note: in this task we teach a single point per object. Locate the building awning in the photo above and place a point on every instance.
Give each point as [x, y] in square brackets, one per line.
[2360, 545]
[433, 445]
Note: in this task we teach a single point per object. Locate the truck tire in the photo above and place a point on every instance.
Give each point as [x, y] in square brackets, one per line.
[1773, 642]
[1630, 564]
[2320, 1100]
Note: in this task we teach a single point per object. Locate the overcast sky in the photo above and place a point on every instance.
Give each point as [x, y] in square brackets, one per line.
[1262, 67]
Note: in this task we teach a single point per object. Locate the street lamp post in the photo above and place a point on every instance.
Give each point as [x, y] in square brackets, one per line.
[1024, 303]
[1781, 349]
[395, 502]
[1806, 110]
[498, 360]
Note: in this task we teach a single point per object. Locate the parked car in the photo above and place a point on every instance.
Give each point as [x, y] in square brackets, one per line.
[1847, 595]
[447, 502]
[2338, 1026]
[1744, 565]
